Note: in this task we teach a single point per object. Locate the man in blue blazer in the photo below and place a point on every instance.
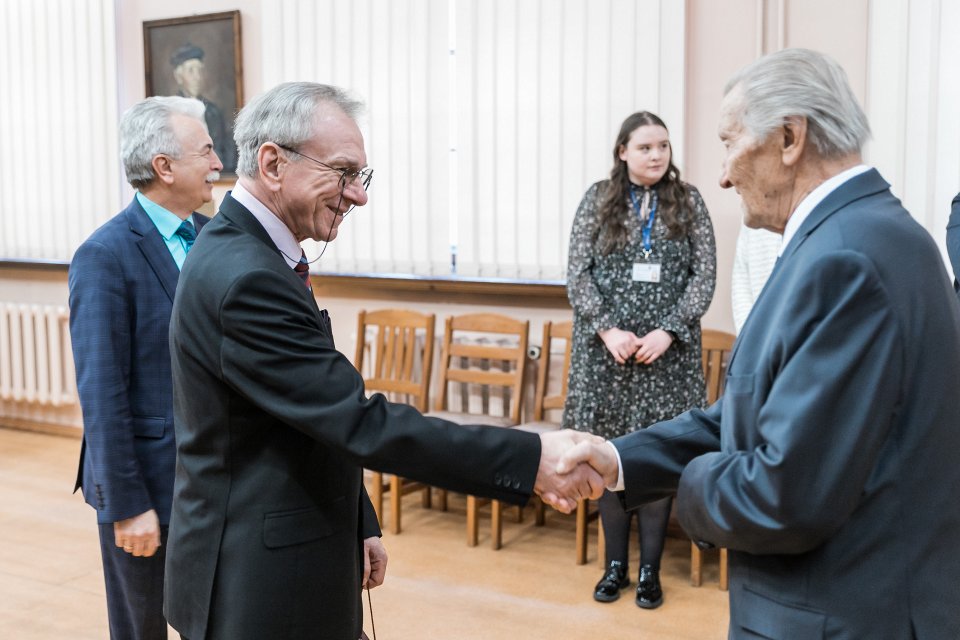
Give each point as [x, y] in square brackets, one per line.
[122, 283]
[829, 467]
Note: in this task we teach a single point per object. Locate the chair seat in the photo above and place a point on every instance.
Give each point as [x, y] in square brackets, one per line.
[540, 426]
[472, 418]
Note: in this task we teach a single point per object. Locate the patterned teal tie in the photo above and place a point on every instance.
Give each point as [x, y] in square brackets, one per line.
[188, 233]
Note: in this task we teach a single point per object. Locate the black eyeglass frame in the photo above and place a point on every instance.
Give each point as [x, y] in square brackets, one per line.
[347, 176]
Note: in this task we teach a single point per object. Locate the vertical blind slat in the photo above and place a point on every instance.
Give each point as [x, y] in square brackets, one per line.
[540, 88]
[60, 58]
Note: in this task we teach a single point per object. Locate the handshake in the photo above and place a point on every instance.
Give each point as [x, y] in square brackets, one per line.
[573, 466]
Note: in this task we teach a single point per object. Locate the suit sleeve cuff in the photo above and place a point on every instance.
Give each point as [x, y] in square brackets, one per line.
[619, 486]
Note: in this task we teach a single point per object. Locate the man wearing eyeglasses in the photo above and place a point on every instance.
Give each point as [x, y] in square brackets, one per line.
[272, 533]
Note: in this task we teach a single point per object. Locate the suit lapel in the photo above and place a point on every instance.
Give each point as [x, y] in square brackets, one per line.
[746, 325]
[242, 218]
[239, 216]
[865, 184]
[199, 221]
[153, 248]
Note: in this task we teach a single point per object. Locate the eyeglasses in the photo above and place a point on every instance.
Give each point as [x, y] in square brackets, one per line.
[347, 176]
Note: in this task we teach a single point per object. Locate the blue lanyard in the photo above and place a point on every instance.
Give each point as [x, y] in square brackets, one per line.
[647, 228]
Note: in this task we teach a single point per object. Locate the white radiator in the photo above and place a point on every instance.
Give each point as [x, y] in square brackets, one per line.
[36, 364]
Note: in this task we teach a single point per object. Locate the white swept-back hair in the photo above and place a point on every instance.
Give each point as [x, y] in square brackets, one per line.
[801, 82]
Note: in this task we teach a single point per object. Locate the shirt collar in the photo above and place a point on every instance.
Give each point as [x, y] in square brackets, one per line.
[163, 219]
[815, 197]
[275, 228]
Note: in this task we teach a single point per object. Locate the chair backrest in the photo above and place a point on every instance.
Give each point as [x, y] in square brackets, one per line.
[716, 353]
[542, 402]
[400, 353]
[485, 349]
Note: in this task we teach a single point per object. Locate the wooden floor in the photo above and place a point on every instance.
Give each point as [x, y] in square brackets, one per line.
[51, 586]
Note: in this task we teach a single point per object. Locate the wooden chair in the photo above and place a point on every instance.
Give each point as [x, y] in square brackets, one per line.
[397, 347]
[543, 403]
[485, 353]
[716, 353]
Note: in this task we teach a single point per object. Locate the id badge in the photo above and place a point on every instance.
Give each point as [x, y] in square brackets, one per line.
[646, 272]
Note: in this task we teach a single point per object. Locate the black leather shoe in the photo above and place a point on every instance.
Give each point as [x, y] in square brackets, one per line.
[649, 593]
[615, 579]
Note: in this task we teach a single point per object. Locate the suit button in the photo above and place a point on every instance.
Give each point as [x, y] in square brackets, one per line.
[516, 484]
[506, 480]
[703, 544]
[497, 480]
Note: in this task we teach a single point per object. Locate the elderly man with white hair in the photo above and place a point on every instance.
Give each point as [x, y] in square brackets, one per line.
[829, 466]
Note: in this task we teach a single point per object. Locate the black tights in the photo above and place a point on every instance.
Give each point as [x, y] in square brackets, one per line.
[653, 518]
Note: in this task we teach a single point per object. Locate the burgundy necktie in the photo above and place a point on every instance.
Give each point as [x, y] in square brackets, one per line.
[303, 270]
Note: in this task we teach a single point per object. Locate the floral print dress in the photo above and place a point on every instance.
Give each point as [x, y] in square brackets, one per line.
[609, 399]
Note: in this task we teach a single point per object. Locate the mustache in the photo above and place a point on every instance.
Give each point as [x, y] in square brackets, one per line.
[213, 176]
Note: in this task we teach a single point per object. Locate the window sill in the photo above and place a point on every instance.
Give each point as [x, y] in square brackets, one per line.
[368, 285]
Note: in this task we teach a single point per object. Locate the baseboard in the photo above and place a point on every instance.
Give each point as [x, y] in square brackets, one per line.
[41, 427]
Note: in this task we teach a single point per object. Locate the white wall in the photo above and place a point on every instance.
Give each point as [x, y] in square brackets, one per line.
[913, 103]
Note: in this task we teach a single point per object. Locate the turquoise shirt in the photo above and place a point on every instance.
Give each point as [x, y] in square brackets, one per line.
[167, 224]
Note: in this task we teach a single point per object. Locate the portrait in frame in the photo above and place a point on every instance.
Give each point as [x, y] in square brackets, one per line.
[200, 57]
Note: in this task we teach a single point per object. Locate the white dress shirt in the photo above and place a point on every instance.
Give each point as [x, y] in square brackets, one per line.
[815, 197]
[276, 229]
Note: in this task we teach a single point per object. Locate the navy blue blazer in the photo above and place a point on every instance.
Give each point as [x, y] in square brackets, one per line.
[122, 281]
[829, 466]
[953, 241]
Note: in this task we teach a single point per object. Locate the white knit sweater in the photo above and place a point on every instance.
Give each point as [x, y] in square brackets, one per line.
[756, 254]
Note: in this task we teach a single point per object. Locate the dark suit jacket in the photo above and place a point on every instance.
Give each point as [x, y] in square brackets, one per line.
[953, 241]
[273, 426]
[122, 282]
[829, 467]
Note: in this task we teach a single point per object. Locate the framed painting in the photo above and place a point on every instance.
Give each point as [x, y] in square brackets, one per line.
[200, 57]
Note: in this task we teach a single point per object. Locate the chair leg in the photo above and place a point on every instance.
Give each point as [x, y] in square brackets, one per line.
[582, 532]
[601, 544]
[472, 532]
[541, 513]
[376, 496]
[396, 495]
[443, 499]
[723, 570]
[426, 497]
[496, 524]
[696, 565]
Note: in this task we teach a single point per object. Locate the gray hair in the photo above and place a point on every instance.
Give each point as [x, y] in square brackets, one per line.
[801, 82]
[285, 116]
[146, 131]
